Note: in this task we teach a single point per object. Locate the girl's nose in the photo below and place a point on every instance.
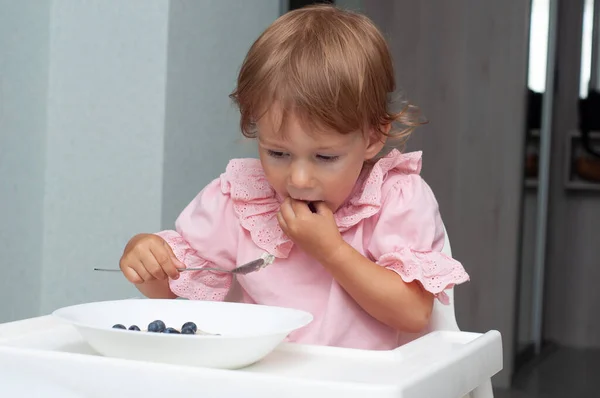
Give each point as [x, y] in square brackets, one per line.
[300, 176]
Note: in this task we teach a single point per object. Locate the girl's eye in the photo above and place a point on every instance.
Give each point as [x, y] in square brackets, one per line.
[326, 158]
[275, 154]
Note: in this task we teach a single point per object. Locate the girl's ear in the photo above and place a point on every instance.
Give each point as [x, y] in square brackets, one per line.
[376, 141]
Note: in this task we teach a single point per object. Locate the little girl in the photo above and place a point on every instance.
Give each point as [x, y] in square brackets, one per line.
[355, 231]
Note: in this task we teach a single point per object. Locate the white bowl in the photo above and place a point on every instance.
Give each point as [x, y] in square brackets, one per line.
[247, 332]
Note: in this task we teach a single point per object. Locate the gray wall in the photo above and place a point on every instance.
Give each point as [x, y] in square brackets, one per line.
[464, 63]
[100, 102]
[104, 142]
[202, 132]
[24, 28]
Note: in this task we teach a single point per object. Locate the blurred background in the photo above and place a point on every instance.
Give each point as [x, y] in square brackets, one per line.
[114, 114]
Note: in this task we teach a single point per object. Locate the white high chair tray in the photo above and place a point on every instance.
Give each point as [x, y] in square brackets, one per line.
[42, 357]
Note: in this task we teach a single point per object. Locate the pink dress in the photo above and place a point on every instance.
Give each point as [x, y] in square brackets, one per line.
[391, 217]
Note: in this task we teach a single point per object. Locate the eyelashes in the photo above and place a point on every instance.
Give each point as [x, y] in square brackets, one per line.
[275, 154]
[281, 155]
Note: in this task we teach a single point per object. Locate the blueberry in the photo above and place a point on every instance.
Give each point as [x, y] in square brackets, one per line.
[134, 327]
[119, 326]
[190, 325]
[156, 326]
[187, 330]
[171, 330]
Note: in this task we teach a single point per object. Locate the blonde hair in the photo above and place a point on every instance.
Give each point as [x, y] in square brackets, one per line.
[329, 66]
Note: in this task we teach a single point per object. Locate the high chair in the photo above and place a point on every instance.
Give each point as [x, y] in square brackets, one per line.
[443, 317]
[444, 363]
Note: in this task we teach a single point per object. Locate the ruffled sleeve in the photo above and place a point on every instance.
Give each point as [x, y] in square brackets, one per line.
[205, 235]
[409, 235]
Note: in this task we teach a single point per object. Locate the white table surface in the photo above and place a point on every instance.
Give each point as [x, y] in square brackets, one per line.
[41, 357]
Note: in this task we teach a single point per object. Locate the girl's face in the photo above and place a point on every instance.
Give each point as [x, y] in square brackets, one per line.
[312, 166]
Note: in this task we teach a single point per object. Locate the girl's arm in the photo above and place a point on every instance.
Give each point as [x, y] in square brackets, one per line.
[205, 235]
[407, 270]
[380, 291]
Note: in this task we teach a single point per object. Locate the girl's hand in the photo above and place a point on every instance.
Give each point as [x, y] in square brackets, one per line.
[315, 233]
[149, 258]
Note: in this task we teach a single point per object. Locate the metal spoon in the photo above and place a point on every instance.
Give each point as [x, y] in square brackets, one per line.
[244, 269]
